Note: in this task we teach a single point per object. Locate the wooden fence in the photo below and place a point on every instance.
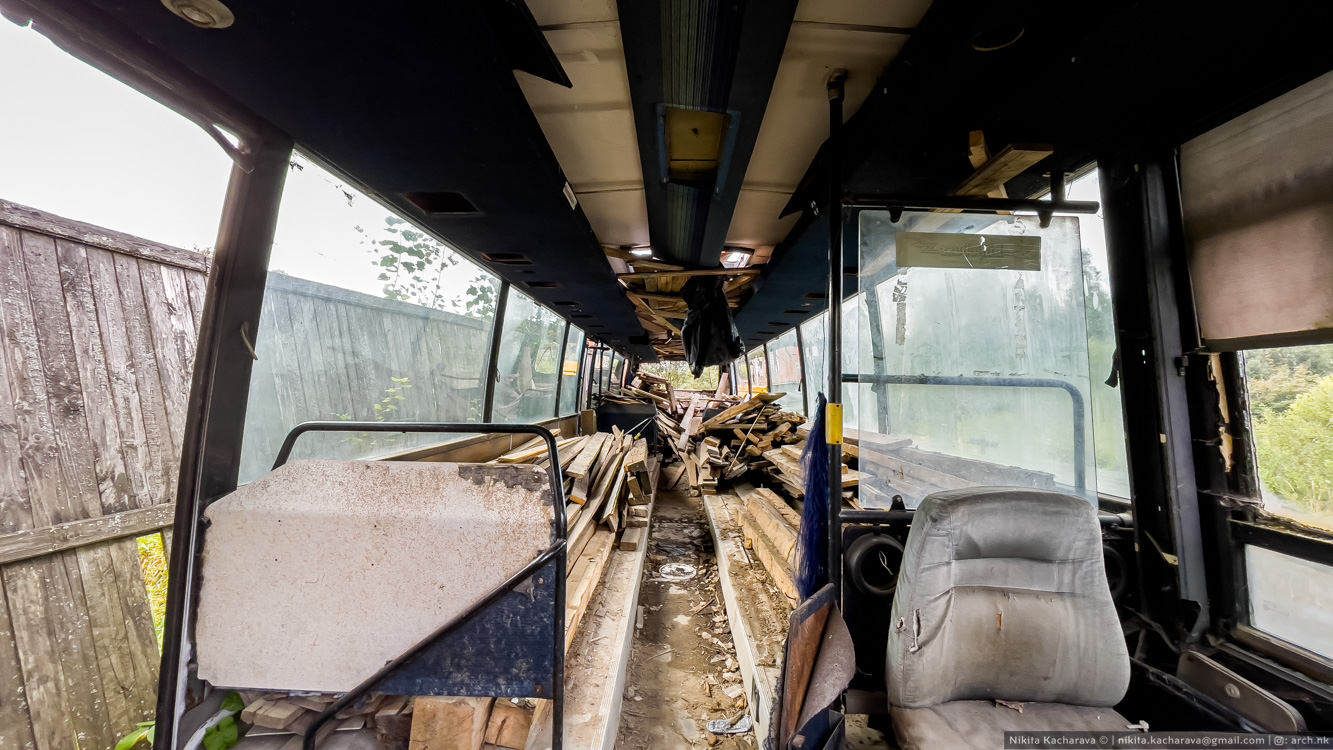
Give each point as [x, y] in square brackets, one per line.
[97, 339]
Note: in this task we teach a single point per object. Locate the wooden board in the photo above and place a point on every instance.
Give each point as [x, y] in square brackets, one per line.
[444, 723]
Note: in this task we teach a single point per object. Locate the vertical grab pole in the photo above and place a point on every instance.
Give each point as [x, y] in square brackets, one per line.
[833, 419]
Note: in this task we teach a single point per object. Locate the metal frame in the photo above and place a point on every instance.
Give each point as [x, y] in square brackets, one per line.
[493, 359]
[557, 551]
[215, 418]
[836, 270]
[560, 371]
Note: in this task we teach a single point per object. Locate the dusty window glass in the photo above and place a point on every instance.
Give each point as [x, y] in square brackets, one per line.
[528, 365]
[982, 357]
[1108, 419]
[1290, 598]
[1291, 418]
[814, 342]
[569, 373]
[742, 377]
[758, 371]
[784, 371]
[365, 318]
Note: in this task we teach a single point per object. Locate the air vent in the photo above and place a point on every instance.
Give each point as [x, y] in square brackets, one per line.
[694, 144]
[779, 324]
[795, 312]
[816, 295]
[564, 302]
[580, 315]
[764, 333]
[442, 203]
[543, 284]
[508, 259]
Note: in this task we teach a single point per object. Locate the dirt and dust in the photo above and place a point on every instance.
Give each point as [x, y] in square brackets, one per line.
[683, 672]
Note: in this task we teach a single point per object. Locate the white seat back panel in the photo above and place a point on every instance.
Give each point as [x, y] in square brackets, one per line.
[320, 572]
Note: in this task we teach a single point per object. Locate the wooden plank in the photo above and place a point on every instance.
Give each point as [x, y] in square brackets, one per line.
[779, 505]
[509, 724]
[1003, 167]
[587, 422]
[106, 678]
[769, 556]
[30, 543]
[583, 580]
[23, 217]
[662, 275]
[731, 413]
[775, 528]
[173, 334]
[33, 615]
[638, 456]
[442, 723]
[584, 463]
[15, 724]
[632, 538]
[163, 468]
[134, 447]
[111, 476]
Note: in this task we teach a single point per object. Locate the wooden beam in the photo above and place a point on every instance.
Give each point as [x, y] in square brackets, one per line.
[440, 723]
[24, 545]
[1005, 166]
[697, 272]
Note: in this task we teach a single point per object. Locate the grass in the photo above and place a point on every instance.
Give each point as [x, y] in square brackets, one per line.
[153, 558]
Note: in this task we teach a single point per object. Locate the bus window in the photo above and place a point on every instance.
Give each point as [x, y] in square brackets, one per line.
[1108, 419]
[985, 367]
[784, 368]
[758, 371]
[1290, 598]
[365, 318]
[526, 370]
[1291, 419]
[569, 373]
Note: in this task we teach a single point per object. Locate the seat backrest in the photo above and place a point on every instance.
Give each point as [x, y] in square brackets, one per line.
[1003, 595]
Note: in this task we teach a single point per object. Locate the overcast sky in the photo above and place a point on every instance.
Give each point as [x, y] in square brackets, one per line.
[80, 144]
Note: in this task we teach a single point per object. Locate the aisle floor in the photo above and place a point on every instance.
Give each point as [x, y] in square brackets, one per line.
[683, 671]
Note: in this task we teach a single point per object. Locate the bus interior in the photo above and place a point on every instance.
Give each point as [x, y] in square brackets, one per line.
[1059, 235]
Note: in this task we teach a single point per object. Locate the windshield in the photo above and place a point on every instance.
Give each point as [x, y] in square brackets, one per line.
[975, 370]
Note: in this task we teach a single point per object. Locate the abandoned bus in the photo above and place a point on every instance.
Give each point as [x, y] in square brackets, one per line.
[679, 373]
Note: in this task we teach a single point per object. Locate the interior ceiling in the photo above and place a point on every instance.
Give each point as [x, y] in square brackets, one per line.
[418, 98]
[426, 98]
[711, 56]
[1090, 78]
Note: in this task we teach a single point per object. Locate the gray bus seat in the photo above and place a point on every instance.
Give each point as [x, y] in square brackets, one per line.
[1003, 597]
[320, 572]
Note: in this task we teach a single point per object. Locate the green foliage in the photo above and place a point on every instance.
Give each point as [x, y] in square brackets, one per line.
[146, 731]
[482, 294]
[1295, 447]
[233, 702]
[153, 561]
[412, 263]
[1277, 377]
[222, 736]
[678, 374]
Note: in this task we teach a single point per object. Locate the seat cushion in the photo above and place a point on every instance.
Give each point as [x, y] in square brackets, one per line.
[980, 725]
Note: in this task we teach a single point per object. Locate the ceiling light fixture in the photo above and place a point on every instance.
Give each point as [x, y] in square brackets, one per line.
[206, 14]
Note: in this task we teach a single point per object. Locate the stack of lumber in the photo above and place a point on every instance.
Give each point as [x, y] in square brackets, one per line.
[610, 482]
[785, 468]
[771, 528]
[731, 442]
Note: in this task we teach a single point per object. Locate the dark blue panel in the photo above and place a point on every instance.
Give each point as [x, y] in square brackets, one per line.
[506, 651]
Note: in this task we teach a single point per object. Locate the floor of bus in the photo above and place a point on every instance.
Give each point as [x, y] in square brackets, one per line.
[683, 672]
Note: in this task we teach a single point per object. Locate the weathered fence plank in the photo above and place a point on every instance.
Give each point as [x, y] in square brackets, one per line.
[78, 366]
[23, 545]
